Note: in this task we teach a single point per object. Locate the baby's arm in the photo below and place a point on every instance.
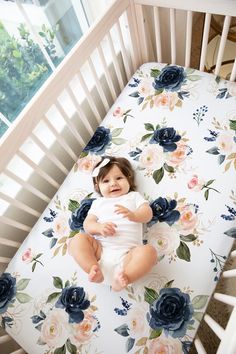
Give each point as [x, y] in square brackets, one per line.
[143, 214]
[93, 227]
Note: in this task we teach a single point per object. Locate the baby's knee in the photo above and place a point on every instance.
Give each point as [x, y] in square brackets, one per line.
[72, 244]
[151, 253]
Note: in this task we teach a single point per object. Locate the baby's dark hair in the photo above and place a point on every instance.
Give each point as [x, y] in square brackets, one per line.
[123, 164]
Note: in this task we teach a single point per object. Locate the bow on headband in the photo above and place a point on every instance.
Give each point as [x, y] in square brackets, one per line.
[97, 169]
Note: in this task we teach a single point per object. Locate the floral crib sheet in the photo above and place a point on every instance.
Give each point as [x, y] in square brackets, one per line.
[177, 127]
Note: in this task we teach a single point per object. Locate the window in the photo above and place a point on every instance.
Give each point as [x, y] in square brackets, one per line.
[35, 36]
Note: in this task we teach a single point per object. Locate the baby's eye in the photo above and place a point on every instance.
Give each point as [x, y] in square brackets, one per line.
[105, 181]
[120, 177]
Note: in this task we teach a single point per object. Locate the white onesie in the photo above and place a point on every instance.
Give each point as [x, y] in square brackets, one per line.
[128, 235]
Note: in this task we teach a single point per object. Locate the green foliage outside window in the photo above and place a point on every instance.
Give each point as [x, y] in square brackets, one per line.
[23, 68]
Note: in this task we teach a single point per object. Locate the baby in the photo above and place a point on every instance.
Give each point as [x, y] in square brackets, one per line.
[111, 250]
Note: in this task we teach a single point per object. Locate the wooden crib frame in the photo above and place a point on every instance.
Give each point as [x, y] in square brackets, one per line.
[78, 95]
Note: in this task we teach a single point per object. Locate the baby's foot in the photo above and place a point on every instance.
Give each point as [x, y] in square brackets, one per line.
[120, 282]
[95, 275]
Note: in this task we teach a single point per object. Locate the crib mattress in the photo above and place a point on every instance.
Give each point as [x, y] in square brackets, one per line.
[177, 127]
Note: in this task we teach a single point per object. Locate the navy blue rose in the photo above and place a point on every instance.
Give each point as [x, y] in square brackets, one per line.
[172, 311]
[78, 216]
[74, 300]
[98, 143]
[7, 291]
[165, 137]
[163, 211]
[171, 78]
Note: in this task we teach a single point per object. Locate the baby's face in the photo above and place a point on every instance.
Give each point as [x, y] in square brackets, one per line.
[114, 184]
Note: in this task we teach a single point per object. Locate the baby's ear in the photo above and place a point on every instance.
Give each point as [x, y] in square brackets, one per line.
[96, 188]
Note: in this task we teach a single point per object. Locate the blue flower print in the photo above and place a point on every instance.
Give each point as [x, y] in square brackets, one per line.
[165, 137]
[172, 311]
[163, 211]
[7, 291]
[171, 78]
[98, 143]
[78, 216]
[73, 299]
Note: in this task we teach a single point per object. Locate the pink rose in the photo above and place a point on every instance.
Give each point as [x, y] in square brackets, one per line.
[195, 183]
[84, 330]
[27, 256]
[118, 112]
[87, 163]
[166, 100]
[179, 155]
[188, 219]
[165, 345]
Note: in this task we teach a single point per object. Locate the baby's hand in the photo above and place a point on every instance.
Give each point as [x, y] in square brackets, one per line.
[108, 229]
[125, 212]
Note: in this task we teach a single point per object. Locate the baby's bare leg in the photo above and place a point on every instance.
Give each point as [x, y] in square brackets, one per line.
[87, 251]
[138, 262]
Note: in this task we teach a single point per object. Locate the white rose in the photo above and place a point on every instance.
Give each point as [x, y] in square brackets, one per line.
[136, 321]
[55, 328]
[152, 157]
[164, 238]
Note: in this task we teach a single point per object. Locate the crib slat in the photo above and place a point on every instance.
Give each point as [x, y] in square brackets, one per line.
[229, 273]
[199, 346]
[233, 78]
[98, 84]
[233, 253]
[27, 186]
[107, 73]
[142, 33]
[134, 39]
[49, 154]
[89, 97]
[5, 260]
[4, 339]
[228, 343]
[10, 243]
[126, 60]
[172, 36]
[19, 204]
[188, 38]
[226, 299]
[18, 225]
[115, 62]
[19, 351]
[69, 123]
[205, 41]
[60, 139]
[37, 169]
[222, 44]
[217, 329]
[157, 34]
[81, 113]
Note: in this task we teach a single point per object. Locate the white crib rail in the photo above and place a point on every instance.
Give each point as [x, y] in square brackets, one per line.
[227, 335]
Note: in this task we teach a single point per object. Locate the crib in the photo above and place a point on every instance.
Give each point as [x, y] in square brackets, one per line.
[49, 135]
